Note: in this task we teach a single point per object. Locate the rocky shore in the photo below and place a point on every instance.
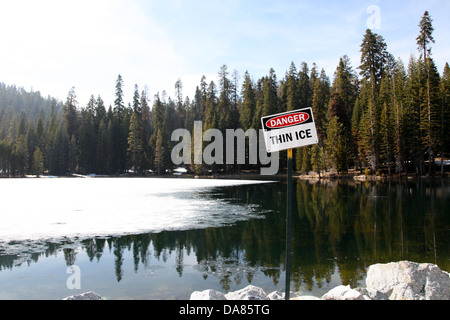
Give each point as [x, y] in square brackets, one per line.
[403, 280]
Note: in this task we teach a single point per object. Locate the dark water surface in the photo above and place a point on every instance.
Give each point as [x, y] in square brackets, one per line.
[340, 228]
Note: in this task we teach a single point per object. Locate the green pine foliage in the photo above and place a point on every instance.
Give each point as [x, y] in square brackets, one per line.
[391, 117]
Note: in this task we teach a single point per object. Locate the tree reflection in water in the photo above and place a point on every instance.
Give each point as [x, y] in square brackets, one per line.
[338, 228]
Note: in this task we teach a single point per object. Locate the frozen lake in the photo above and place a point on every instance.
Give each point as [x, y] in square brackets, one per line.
[43, 209]
[162, 239]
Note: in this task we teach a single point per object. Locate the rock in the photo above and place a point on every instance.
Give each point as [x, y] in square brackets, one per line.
[208, 295]
[372, 294]
[85, 296]
[394, 281]
[278, 295]
[248, 293]
[343, 293]
[407, 280]
[306, 298]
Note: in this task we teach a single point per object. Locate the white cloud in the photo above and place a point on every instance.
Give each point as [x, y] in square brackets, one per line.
[54, 45]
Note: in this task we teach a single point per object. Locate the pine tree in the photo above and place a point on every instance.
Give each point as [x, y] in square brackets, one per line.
[72, 155]
[146, 131]
[248, 108]
[224, 102]
[102, 149]
[374, 58]
[134, 150]
[426, 36]
[337, 146]
[5, 158]
[269, 95]
[87, 139]
[357, 149]
[119, 105]
[235, 99]
[159, 140]
[39, 134]
[159, 153]
[428, 116]
[20, 157]
[38, 162]
[320, 101]
[100, 111]
[180, 109]
[59, 152]
[292, 89]
[399, 85]
[317, 159]
[431, 114]
[337, 109]
[346, 84]
[259, 103]
[211, 120]
[413, 140]
[387, 138]
[70, 113]
[137, 107]
[306, 160]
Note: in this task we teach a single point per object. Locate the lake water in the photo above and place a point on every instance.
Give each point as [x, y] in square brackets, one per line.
[162, 239]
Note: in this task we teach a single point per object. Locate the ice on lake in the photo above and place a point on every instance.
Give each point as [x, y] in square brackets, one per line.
[37, 209]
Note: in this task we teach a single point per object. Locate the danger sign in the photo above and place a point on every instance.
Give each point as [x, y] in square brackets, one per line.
[288, 120]
[289, 130]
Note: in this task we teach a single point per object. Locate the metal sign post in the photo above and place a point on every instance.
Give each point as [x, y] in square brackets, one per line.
[289, 225]
[287, 131]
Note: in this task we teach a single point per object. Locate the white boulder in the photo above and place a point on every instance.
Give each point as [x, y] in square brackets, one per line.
[403, 280]
[248, 293]
[278, 295]
[407, 280]
[343, 293]
[85, 296]
[305, 298]
[207, 295]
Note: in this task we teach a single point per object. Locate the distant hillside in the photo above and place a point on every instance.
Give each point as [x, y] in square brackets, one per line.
[14, 100]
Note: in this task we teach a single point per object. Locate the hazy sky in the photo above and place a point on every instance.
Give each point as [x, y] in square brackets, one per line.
[54, 45]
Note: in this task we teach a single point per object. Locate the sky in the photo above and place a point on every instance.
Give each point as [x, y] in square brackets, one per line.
[53, 45]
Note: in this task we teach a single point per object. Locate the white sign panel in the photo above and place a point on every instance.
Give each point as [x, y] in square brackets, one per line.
[290, 130]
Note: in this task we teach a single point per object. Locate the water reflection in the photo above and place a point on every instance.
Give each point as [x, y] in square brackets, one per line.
[339, 228]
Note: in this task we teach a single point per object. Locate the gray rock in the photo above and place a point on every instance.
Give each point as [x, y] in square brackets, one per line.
[407, 280]
[306, 298]
[404, 280]
[278, 295]
[248, 293]
[85, 296]
[343, 293]
[437, 286]
[372, 294]
[208, 295]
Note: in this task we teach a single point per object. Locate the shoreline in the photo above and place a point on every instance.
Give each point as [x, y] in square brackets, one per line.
[351, 175]
[256, 176]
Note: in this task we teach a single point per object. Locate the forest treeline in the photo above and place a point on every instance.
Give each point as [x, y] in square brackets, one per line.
[385, 116]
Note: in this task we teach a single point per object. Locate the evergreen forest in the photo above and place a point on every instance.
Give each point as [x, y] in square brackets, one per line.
[385, 116]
